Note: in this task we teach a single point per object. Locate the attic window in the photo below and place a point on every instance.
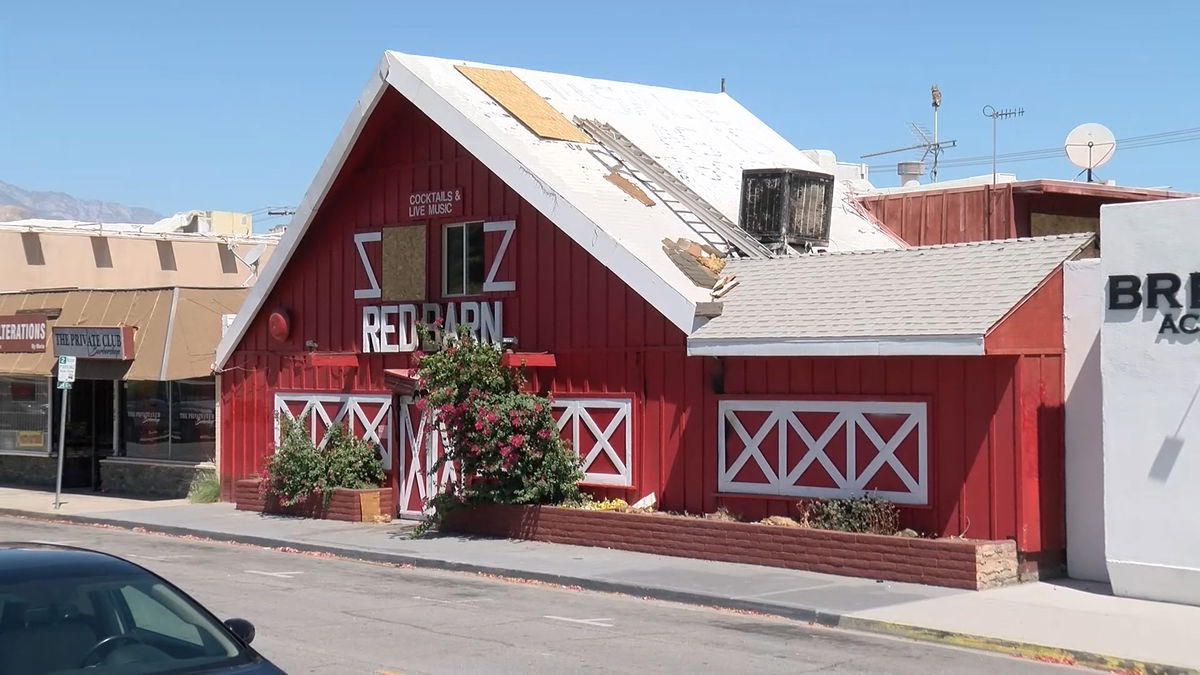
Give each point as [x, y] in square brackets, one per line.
[462, 259]
[524, 103]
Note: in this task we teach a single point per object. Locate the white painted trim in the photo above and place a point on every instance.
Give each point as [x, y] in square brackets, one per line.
[932, 345]
[576, 413]
[851, 416]
[361, 238]
[419, 448]
[490, 285]
[349, 410]
[313, 198]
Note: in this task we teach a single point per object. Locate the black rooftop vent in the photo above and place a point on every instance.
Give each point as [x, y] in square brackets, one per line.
[787, 206]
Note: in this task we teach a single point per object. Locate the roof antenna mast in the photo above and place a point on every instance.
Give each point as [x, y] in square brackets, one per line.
[936, 95]
[929, 142]
[1007, 113]
[722, 85]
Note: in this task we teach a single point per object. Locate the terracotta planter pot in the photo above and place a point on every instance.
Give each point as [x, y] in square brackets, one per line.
[957, 563]
[344, 503]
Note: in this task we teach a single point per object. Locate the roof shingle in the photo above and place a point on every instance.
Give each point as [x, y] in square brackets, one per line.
[949, 291]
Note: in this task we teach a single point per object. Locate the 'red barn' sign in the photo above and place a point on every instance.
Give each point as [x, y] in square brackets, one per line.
[22, 333]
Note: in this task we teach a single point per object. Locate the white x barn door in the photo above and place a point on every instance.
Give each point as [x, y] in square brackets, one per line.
[825, 449]
[420, 447]
[368, 416]
[601, 433]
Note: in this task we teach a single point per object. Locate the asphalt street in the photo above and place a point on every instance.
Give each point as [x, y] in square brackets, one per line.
[324, 615]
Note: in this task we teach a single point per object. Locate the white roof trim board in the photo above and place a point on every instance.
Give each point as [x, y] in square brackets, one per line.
[931, 300]
[705, 139]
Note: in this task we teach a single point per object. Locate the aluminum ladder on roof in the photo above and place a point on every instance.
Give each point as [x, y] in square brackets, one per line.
[692, 209]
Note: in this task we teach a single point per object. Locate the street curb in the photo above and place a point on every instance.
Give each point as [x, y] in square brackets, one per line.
[1026, 650]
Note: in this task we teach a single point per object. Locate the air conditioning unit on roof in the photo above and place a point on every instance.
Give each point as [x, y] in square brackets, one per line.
[787, 206]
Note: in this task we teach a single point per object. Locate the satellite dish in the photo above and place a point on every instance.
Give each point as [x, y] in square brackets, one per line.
[1089, 146]
[255, 254]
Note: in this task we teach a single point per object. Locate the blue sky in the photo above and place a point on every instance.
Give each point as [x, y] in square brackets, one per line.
[233, 105]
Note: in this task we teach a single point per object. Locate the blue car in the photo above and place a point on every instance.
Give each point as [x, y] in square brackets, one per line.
[68, 610]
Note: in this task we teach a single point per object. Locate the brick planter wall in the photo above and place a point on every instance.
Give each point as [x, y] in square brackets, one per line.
[344, 503]
[956, 563]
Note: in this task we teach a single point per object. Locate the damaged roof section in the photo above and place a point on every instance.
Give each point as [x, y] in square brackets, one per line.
[701, 263]
[919, 301]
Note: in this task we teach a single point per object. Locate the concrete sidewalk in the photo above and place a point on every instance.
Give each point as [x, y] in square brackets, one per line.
[1067, 622]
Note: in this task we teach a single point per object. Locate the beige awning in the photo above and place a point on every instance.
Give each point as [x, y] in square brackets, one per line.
[177, 329]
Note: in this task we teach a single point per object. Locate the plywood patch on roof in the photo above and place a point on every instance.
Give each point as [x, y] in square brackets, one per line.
[629, 188]
[524, 103]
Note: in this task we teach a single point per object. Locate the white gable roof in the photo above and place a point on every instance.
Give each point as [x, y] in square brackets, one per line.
[705, 139]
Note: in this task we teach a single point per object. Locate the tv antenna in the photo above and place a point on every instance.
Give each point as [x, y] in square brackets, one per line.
[929, 143]
[1007, 113]
[1090, 145]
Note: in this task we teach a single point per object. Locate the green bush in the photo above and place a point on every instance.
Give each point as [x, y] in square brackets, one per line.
[298, 469]
[205, 488]
[867, 515]
[503, 440]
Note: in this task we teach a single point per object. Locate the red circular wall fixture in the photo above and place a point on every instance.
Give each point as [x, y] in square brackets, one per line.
[279, 325]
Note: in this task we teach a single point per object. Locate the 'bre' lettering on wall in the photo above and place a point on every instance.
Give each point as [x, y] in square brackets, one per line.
[1161, 290]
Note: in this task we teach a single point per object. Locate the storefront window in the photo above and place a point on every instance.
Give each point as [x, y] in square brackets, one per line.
[171, 420]
[193, 420]
[24, 407]
[147, 420]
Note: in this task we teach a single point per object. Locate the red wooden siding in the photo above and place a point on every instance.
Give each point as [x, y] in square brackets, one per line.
[1035, 326]
[607, 340]
[977, 406]
[605, 337]
[985, 212]
[927, 217]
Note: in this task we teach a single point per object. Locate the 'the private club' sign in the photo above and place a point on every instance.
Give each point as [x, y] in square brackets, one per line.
[114, 343]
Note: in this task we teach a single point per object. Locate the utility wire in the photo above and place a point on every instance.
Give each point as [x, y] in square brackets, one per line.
[1144, 141]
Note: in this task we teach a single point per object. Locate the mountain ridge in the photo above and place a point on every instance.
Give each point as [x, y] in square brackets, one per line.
[17, 203]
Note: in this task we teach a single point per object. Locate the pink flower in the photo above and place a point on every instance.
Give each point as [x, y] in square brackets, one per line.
[491, 417]
[419, 404]
[418, 354]
[537, 407]
[478, 425]
[437, 323]
[517, 440]
[543, 434]
[515, 422]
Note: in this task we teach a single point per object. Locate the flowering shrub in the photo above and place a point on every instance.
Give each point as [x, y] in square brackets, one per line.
[504, 442]
[298, 469]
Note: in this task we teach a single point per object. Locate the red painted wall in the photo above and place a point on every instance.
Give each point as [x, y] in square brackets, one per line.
[608, 340]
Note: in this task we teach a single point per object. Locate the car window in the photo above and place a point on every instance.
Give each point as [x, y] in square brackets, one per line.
[149, 614]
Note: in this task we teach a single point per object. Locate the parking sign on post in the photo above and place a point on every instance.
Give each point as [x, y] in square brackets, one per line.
[66, 375]
[66, 371]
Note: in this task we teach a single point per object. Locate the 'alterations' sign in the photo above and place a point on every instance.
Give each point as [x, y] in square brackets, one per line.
[1161, 291]
[114, 343]
[23, 333]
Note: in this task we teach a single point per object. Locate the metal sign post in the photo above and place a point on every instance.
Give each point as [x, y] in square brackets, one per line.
[66, 375]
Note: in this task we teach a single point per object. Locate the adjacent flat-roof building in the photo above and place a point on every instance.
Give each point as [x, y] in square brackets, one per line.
[143, 311]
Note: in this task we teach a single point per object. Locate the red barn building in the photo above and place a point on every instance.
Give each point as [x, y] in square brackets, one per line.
[584, 224]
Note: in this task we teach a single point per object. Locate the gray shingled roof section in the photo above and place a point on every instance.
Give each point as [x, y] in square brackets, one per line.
[951, 290]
